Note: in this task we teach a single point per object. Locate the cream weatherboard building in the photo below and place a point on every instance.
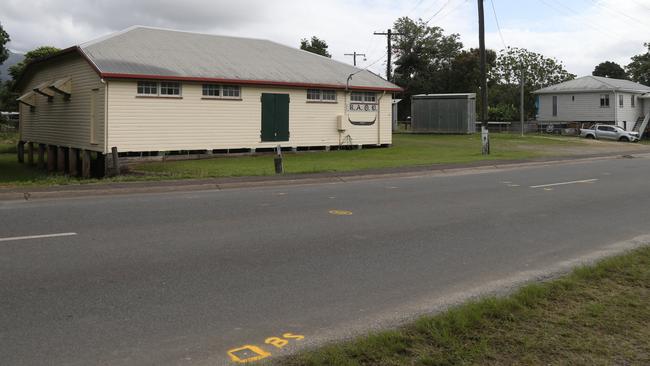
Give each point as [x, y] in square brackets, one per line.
[154, 90]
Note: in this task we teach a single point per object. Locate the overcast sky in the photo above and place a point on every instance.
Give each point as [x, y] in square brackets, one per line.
[580, 33]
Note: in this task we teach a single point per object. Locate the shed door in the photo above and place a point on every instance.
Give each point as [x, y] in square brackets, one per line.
[275, 117]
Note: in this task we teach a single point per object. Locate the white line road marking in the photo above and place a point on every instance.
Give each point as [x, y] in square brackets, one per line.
[37, 236]
[565, 183]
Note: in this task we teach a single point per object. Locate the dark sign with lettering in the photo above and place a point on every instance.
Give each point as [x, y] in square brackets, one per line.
[363, 107]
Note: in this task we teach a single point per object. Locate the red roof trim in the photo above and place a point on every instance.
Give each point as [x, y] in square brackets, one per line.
[109, 75]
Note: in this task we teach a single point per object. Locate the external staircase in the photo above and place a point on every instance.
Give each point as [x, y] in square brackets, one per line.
[641, 124]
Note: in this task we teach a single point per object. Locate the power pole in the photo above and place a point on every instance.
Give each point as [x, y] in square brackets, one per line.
[389, 37]
[521, 99]
[354, 56]
[485, 136]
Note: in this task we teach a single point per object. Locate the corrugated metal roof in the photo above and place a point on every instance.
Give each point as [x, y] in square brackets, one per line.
[446, 96]
[145, 51]
[594, 83]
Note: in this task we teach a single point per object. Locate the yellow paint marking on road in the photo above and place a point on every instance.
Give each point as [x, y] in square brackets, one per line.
[247, 353]
[298, 337]
[251, 353]
[276, 342]
[340, 212]
[548, 189]
[281, 194]
[513, 185]
[565, 183]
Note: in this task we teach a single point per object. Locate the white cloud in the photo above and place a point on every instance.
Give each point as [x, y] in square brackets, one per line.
[580, 39]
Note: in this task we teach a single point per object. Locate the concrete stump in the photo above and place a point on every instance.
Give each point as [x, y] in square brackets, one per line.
[41, 156]
[85, 163]
[21, 151]
[60, 159]
[51, 158]
[73, 157]
[30, 153]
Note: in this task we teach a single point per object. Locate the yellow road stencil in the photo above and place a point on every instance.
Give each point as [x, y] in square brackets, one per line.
[340, 212]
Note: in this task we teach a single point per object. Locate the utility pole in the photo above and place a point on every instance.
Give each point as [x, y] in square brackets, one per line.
[521, 99]
[485, 136]
[354, 56]
[389, 37]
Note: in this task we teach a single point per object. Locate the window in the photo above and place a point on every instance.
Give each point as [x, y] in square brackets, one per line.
[604, 101]
[606, 128]
[217, 91]
[573, 98]
[313, 94]
[211, 90]
[147, 88]
[554, 105]
[163, 88]
[368, 97]
[318, 95]
[230, 91]
[632, 100]
[170, 88]
[620, 101]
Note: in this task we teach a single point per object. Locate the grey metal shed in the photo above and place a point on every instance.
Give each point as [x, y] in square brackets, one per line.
[444, 113]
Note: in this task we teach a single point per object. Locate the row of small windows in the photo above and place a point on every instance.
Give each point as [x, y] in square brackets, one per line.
[173, 89]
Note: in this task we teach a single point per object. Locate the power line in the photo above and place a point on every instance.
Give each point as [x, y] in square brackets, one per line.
[438, 12]
[496, 19]
[458, 5]
[616, 11]
[597, 29]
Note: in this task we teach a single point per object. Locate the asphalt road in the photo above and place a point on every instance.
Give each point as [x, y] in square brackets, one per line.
[182, 278]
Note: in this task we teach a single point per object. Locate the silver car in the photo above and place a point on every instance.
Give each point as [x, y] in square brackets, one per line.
[609, 132]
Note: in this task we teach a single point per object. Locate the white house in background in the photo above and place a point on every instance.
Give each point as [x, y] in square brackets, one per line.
[595, 99]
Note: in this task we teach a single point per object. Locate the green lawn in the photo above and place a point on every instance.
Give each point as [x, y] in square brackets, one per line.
[598, 315]
[407, 150]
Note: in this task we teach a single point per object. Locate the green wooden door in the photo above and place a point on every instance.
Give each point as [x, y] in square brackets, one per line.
[275, 117]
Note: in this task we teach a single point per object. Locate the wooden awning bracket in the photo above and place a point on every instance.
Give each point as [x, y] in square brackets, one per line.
[44, 90]
[62, 86]
[28, 99]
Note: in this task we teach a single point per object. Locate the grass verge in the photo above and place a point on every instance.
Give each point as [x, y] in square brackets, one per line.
[597, 315]
[407, 150]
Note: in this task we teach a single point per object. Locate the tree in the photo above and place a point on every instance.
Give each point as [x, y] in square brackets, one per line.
[7, 94]
[423, 59]
[539, 71]
[316, 45]
[609, 69]
[639, 68]
[16, 70]
[4, 39]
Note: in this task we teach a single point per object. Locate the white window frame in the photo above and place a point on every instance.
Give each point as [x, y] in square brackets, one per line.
[221, 90]
[633, 101]
[160, 89]
[621, 100]
[604, 101]
[318, 95]
[363, 97]
[147, 94]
